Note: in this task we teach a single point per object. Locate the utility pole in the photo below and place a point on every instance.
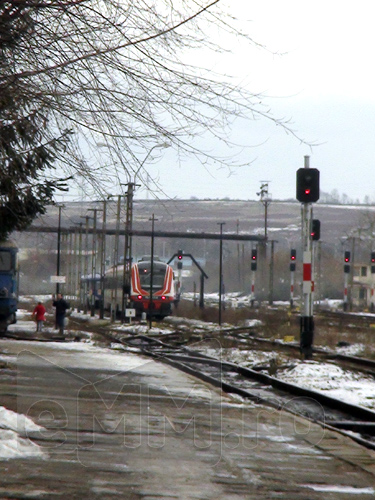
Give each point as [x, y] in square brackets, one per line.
[127, 248]
[115, 261]
[86, 264]
[102, 260]
[93, 260]
[70, 265]
[58, 250]
[272, 271]
[265, 199]
[79, 268]
[221, 224]
[151, 304]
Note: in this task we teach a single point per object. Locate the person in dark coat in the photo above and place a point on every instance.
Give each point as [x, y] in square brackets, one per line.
[61, 306]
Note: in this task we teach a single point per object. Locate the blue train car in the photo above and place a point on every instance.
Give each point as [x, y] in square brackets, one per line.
[8, 284]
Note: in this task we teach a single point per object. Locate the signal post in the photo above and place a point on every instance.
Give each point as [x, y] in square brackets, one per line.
[346, 279]
[179, 267]
[293, 255]
[307, 193]
[372, 298]
[254, 255]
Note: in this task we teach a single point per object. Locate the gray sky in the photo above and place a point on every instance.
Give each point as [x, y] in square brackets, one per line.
[324, 83]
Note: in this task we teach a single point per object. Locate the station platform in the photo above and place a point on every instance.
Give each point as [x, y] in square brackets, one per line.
[111, 424]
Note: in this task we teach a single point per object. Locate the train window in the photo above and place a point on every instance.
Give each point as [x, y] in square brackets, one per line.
[362, 293]
[158, 275]
[5, 261]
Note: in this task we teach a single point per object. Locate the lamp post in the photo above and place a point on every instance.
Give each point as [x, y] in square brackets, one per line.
[131, 185]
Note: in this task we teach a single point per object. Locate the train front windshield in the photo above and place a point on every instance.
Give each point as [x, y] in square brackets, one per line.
[157, 278]
[5, 260]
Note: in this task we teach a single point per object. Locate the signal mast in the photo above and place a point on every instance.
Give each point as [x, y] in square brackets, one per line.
[307, 193]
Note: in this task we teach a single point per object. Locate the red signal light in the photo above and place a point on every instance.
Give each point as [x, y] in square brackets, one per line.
[139, 297]
[163, 297]
[307, 191]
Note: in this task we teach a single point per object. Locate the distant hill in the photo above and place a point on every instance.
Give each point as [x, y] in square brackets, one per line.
[283, 218]
[196, 216]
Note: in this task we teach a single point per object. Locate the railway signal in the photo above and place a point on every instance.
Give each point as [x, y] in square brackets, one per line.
[180, 255]
[346, 260]
[254, 255]
[372, 297]
[307, 185]
[293, 256]
[307, 192]
[346, 278]
[315, 229]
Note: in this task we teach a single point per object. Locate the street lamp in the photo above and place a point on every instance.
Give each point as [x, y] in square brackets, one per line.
[110, 146]
[129, 220]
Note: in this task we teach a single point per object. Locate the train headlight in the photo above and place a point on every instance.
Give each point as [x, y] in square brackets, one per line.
[163, 297]
[139, 297]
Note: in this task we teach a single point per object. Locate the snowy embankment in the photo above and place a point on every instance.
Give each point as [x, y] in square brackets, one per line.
[14, 443]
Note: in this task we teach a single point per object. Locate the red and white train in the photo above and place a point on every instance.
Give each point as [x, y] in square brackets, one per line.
[163, 288]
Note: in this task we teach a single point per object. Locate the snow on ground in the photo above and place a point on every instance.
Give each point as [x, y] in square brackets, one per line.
[354, 388]
[332, 380]
[13, 443]
[340, 489]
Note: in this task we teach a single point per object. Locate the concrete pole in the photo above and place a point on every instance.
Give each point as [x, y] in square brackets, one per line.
[115, 261]
[58, 250]
[221, 224]
[127, 249]
[272, 262]
[102, 259]
[79, 268]
[151, 304]
[86, 264]
[93, 260]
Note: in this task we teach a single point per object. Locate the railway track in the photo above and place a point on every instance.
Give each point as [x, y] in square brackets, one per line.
[355, 421]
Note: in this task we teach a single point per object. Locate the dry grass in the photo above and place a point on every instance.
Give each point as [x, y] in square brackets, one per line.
[278, 323]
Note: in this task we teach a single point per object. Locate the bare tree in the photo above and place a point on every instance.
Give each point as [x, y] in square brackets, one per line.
[116, 71]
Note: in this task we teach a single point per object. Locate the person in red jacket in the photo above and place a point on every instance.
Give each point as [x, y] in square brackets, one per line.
[39, 316]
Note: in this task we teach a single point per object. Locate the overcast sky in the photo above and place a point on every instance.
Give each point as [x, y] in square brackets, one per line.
[324, 82]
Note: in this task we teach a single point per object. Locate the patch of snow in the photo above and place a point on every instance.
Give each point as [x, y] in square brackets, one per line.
[354, 388]
[340, 489]
[12, 444]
